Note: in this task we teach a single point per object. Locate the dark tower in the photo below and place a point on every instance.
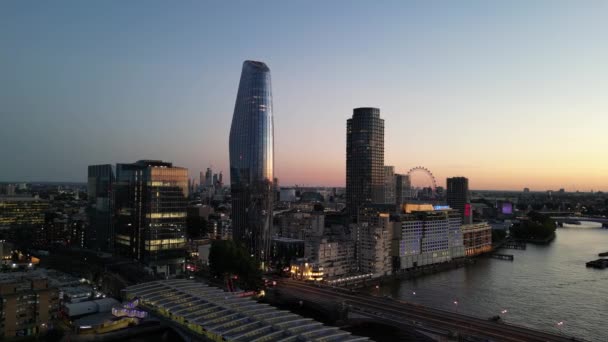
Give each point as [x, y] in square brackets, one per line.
[364, 159]
[252, 160]
[458, 197]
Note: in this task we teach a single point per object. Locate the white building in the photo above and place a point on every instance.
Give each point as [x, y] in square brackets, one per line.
[428, 237]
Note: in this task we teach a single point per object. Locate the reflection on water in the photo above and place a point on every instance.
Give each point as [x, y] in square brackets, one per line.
[542, 286]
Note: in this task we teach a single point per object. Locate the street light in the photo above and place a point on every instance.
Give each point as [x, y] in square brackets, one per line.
[560, 324]
[456, 304]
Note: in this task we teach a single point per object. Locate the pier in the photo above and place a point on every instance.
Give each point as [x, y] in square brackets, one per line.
[502, 256]
[511, 244]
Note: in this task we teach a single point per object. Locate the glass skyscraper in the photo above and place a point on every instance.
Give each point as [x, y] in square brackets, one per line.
[364, 159]
[252, 160]
[150, 204]
[100, 232]
[458, 197]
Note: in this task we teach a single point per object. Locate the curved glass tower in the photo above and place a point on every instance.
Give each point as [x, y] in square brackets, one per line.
[252, 160]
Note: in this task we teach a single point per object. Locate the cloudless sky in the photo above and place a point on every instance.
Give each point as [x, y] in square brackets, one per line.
[510, 94]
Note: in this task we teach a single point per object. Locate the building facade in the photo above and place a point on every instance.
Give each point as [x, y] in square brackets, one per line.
[27, 305]
[426, 237]
[251, 148]
[477, 238]
[458, 197]
[364, 159]
[402, 188]
[389, 185]
[151, 209]
[100, 232]
[373, 236]
[22, 211]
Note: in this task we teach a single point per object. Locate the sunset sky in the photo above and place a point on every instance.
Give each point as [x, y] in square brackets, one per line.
[510, 94]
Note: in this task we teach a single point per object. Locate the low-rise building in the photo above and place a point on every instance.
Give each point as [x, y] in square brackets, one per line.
[27, 304]
[477, 238]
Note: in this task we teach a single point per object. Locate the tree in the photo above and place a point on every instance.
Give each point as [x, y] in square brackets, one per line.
[536, 227]
[196, 227]
[228, 259]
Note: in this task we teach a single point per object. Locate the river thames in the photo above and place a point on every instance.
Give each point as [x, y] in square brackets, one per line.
[544, 285]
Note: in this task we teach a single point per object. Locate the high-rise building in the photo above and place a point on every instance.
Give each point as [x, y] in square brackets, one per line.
[389, 185]
[22, 211]
[364, 159]
[150, 203]
[208, 177]
[402, 188]
[458, 197]
[100, 232]
[252, 160]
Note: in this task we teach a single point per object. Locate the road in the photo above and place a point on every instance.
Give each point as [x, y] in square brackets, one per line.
[417, 316]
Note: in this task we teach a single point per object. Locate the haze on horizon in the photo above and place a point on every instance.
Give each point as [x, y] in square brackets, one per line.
[510, 95]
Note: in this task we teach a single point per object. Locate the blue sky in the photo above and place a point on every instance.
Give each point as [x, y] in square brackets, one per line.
[510, 94]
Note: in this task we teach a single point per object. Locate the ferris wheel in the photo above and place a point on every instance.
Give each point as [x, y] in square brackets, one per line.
[423, 170]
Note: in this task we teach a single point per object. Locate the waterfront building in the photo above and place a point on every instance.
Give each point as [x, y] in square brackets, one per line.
[477, 238]
[27, 304]
[390, 185]
[459, 198]
[150, 202]
[364, 159]
[426, 237]
[373, 236]
[22, 211]
[336, 256]
[251, 148]
[100, 232]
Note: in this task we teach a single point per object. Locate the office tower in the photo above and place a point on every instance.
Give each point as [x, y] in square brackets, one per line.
[150, 203]
[201, 179]
[402, 189]
[221, 179]
[215, 179]
[389, 185]
[22, 212]
[458, 197]
[364, 159]
[252, 160]
[99, 235]
[208, 177]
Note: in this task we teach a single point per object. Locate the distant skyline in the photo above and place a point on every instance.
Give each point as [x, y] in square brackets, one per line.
[509, 95]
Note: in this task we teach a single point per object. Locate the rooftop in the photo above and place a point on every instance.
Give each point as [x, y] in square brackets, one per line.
[228, 315]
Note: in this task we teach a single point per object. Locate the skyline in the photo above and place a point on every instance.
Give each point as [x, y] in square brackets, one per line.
[507, 95]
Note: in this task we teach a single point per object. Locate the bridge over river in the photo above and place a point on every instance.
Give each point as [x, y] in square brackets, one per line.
[408, 316]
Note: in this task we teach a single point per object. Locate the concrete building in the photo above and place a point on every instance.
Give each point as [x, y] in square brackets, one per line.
[27, 304]
[477, 238]
[426, 237]
[335, 256]
[373, 242]
[300, 225]
[287, 195]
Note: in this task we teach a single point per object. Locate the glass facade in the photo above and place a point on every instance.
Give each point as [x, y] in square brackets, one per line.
[252, 160]
[99, 186]
[458, 196]
[364, 159]
[22, 211]
[150, 205]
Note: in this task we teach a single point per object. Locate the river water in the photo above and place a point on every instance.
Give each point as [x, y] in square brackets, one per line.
[544, 285]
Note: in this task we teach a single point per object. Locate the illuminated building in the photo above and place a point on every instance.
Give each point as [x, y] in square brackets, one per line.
[477, 238]
[150, 204]
[458, 197]
[22, 211]
[100, 234]
[304, 270]
[427, 237]
[364, 159]
[251, 148]
[27, 304]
